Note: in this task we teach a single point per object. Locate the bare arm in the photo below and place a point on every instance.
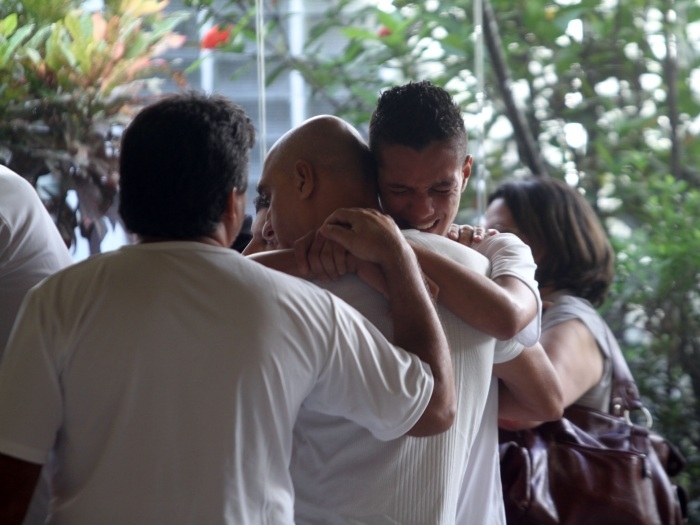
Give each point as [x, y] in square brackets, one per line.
[501, 307]
[295, 262]
[529, 389]
[373, 237]
[18, 480]
[577, 362]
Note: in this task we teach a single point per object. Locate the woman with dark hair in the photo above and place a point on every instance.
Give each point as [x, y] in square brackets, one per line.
[575, 267]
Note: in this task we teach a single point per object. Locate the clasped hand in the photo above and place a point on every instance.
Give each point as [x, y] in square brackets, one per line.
[351, 240]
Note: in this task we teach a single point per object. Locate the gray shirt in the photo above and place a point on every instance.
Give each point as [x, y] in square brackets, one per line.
[568, 307]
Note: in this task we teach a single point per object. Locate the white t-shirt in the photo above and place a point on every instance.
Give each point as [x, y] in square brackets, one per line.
[166, 379]
[511, 256]
[30, 250]
[481, 497]
[30, 246]
[343, 475]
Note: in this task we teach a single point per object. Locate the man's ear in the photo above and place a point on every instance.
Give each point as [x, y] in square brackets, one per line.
[234, 213]
[304, 178]
[466, 170]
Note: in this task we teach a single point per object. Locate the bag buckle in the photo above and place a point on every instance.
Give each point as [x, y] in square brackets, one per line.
[647, 415]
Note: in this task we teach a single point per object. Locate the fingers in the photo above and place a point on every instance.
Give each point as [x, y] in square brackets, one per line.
[469, 235]
[314, 258]
[477, 234]
[453, 232]
[346, 235]
[327, 259]
[366, 234]
[464, 234]
[320, 258]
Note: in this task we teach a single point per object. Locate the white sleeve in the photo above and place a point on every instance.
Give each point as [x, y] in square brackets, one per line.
[507, 350]
[511, 256]
[368, 380]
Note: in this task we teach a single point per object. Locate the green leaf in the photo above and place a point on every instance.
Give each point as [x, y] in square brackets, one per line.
[15, 41]
[37, 40]
[8, 25]
[359, 33]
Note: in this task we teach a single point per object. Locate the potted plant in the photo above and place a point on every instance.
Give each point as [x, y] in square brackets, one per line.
[70, 79]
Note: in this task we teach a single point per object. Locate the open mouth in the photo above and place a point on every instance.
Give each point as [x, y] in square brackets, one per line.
[427, 227]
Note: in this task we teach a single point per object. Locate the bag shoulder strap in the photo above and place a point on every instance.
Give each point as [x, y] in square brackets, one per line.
[624, 395]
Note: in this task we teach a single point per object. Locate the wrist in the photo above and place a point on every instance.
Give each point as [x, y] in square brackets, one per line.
[398, 259]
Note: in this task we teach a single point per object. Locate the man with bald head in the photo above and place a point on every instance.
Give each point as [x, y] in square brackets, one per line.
[319, 161]
[341, 473]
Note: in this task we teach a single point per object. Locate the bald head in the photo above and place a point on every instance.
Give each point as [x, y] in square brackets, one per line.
[332, 146]
[321, 165]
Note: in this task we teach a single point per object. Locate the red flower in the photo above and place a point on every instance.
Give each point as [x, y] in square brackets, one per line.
[384, 31]
[215, 37]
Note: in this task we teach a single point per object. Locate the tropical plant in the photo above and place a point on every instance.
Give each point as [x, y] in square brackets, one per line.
[69, 81]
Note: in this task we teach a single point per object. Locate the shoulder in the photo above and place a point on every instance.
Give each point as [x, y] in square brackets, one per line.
[567, 307]
[17, 196]
[74, 275]
[449, 248]
[505, 245]
[19, 200]
[28, 235]
[294, 295]
[565, 304]
[11, 180]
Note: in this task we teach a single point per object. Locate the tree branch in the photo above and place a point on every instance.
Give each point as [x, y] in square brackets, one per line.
[670, 66]
[527, 144]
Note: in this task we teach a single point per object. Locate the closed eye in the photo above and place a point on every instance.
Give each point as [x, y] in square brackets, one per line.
[260, 202]
[398, 189]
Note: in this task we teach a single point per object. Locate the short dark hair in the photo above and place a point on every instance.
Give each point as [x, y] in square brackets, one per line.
[577, 254]
[180, 158]
[415, 115]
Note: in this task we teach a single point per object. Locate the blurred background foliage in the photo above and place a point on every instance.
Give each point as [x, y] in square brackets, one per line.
[604, 94]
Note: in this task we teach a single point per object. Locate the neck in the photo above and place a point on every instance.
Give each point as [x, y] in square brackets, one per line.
[217, 238]
[547, 292]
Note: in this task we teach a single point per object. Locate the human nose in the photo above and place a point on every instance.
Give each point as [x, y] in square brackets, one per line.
[268, 231]
[421, 206]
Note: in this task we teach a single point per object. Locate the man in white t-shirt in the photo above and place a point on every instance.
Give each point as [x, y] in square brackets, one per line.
[31, 249]
[341, 473]
[161, 381]
[30, 246]
[418, 138]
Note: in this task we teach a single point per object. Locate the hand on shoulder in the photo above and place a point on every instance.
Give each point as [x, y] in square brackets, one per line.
[469, 235]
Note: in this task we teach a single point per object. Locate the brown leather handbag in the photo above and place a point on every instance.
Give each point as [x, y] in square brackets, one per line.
[593, 468]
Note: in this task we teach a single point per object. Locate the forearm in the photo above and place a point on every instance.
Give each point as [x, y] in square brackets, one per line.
[529, 388]
[417, 329]
[473, 297]
[512, 414]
